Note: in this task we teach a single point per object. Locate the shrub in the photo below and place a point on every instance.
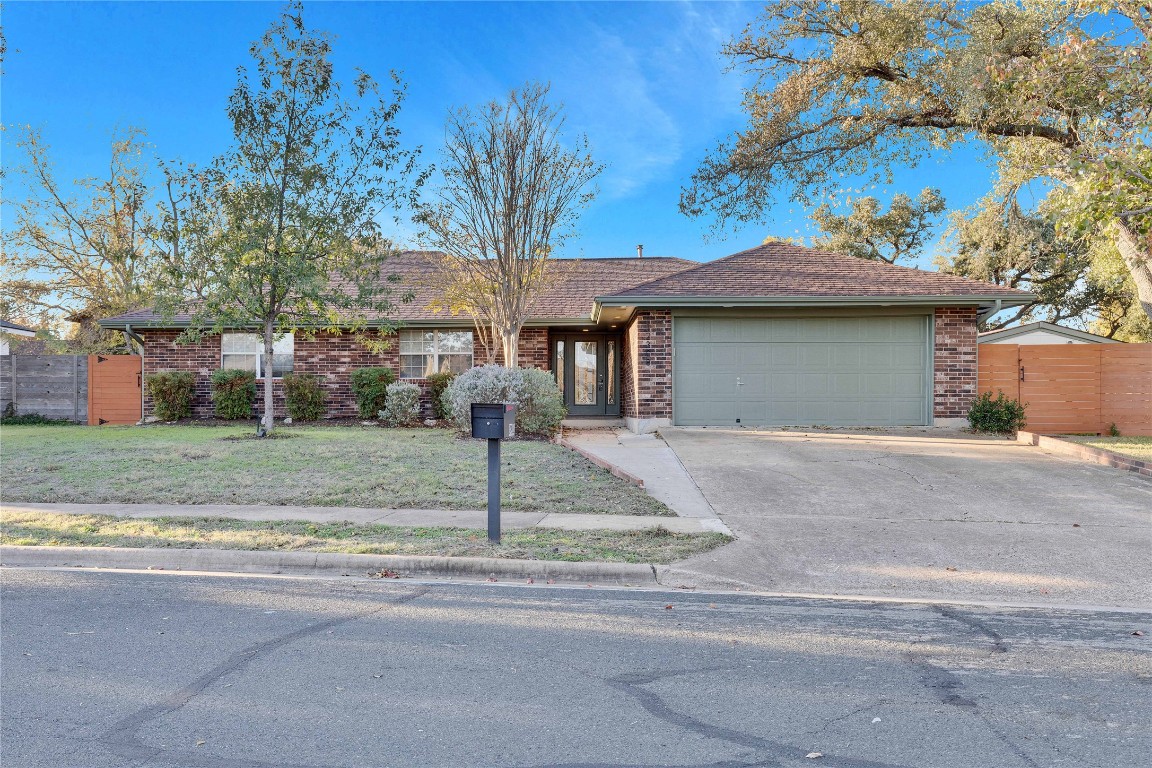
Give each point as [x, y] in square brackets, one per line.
[402, 408]
[1000, 414]
[1113, 430]
[305, 397]
[233, 392]
[539, 405]
[9, 416]
[171, 393]
[370, 386]
[437, 383]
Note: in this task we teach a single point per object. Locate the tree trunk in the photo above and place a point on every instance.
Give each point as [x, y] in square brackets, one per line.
[1138, 257]
[267, 366]
[511, 342]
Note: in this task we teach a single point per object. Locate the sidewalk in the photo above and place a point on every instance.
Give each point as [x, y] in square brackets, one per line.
[399, 517]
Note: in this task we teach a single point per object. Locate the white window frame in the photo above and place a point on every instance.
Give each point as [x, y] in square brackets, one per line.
[415, 336]
[252, 345]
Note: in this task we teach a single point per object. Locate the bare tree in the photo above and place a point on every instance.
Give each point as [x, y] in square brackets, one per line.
[511, 194]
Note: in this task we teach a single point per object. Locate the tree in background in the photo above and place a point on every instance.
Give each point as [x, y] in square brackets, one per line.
[83, 251]
[281, 233]
[1000, 243]
[510, 195]
[865, 232]
[1059, 92]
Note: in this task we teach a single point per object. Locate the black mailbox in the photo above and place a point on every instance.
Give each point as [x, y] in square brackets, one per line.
[494, 421]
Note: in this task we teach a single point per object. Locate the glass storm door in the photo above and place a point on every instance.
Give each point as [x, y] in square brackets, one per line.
[587, 369]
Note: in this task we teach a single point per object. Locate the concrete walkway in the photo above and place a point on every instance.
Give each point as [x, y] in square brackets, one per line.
[649, 458]
[405, 517]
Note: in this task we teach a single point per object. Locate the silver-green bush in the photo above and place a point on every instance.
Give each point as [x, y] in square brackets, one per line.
[539, 404]
[401, 405]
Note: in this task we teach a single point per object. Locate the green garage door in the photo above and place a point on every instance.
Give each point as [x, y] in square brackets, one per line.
[837, 371]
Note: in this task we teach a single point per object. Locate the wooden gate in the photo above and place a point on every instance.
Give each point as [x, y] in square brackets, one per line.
[1074, 387]
[114, 389]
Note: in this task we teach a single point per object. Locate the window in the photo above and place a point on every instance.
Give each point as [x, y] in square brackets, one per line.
[245, 351]
[433, 351]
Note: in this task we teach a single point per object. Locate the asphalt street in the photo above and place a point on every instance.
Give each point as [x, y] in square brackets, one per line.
[153, 670]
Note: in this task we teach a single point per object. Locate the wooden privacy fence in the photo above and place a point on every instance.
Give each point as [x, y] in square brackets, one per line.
[93, 389]
[50, 385]
[1073, 387]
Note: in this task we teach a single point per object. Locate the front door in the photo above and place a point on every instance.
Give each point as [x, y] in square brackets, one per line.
[587, 369]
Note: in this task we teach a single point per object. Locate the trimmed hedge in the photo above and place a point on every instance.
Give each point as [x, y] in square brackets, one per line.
[171, 393]
[403, 406]
[370, 386]
[540, 406]
[233, 392]
[437, 383]
[305, 397]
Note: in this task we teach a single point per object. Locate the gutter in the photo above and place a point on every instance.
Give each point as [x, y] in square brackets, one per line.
[982, 316]
[808, 301]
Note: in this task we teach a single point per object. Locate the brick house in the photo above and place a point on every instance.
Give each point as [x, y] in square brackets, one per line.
[774, 335]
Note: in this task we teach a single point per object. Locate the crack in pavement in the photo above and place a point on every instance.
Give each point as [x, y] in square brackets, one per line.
[122, 736]
[653, 704]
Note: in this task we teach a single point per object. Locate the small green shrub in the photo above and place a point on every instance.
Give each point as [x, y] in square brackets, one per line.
[1000, 414]
[171, 393]
[305, 397]
[1113, 430]
[370, 386]
[403, 406]
[437, 383]
[233, 392]
[9, 416]
[539, 404]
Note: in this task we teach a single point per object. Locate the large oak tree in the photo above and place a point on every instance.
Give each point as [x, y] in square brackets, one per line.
[1059, 91]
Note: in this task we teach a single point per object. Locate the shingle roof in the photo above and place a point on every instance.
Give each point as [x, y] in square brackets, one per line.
[10, 326]
[781, 269]
[569, 294]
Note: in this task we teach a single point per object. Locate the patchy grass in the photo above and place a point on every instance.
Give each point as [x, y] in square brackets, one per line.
[320, 466]
[1136, 447]
[652, 546]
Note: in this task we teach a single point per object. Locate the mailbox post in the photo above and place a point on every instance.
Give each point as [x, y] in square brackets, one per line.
[493, 422]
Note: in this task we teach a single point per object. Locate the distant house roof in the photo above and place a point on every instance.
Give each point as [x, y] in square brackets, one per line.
[785, 270]
[16, 328]
[1071, 334]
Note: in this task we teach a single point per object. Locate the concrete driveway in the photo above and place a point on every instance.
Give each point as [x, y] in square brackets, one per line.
[920, 514]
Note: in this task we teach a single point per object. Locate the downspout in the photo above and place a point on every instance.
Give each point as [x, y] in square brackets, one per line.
[138, 339]
[982, 316]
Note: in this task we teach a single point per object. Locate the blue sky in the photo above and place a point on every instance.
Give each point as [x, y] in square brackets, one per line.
[644, 81]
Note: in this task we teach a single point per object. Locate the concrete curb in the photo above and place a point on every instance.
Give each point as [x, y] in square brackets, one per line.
[328, 563]
[1086, 453]
[602, 463]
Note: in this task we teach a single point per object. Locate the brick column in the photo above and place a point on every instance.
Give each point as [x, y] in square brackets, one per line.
[954, 380]
[646, 372]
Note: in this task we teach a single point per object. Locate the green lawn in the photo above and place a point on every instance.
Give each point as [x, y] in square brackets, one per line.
[309, 466]
[1136, 447]
[651, 546]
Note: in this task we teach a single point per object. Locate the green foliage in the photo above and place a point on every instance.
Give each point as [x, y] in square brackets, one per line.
[171, 393]
[865, 232]
[1113, 430]
[233, 392]
[305, 397]
[1057, 92]
[540, 406]
[1000, 414]
[370, 386]
[403, 405]
[9, 416]
[282, 231]
[437, 383]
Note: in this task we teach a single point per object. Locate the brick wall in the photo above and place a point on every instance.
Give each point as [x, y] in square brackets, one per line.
[333, 357]
[646, 372]
[954, 385]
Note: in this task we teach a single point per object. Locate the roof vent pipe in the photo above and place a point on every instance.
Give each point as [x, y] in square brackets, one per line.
[640, 251]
